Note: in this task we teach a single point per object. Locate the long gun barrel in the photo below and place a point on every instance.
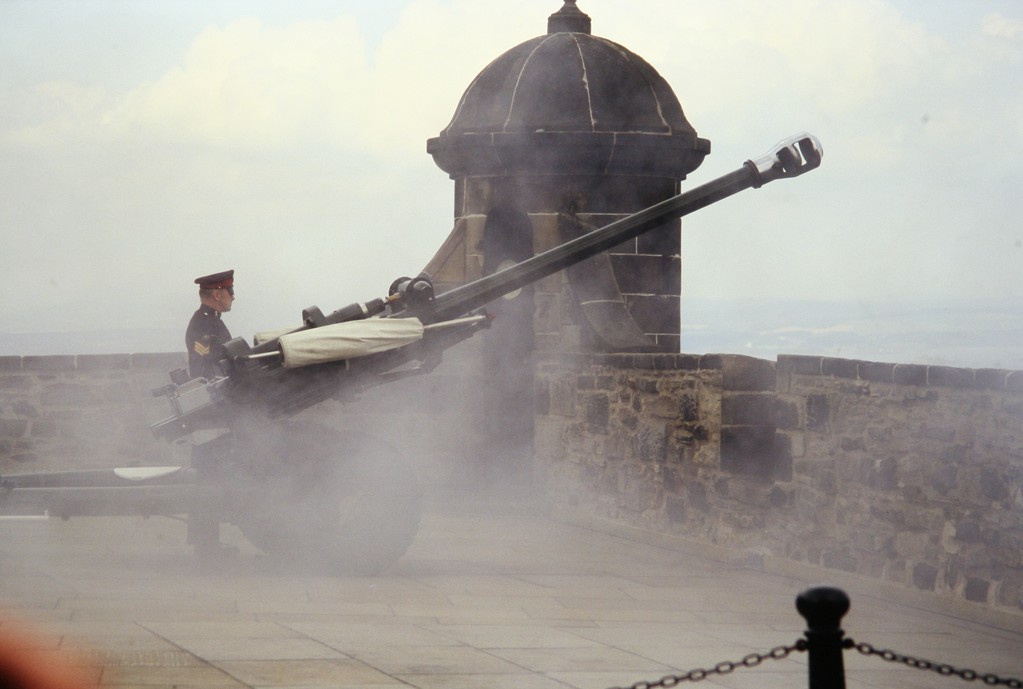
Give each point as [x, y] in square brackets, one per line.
[789, 158]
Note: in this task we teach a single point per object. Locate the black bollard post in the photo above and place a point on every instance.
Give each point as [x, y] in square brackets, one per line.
[823, 608]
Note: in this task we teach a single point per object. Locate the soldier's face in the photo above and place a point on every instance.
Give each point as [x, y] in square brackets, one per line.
[225, 297]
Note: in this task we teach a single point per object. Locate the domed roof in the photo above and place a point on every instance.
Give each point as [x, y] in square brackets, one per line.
[573, 91]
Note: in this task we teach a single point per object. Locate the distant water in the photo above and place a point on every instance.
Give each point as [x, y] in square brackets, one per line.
[967, 334]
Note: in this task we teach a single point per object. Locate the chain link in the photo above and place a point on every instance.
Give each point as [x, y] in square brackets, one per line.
[780, 652]
[941, 668]
[722, 668]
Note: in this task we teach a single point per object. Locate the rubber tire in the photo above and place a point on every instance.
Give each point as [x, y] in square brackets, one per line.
[339, 503]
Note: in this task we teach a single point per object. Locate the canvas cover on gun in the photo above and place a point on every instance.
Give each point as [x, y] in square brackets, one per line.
[348, 340]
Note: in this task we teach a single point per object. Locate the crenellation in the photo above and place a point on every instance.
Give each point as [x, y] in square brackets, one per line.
[876, 372]
[102, 362]
[1014, 381]
[840, 368]
[49, 363]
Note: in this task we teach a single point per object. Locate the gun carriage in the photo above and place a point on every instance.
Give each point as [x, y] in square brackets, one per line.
[343, 501]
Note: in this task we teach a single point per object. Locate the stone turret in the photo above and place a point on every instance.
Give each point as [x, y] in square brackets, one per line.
[564, 131]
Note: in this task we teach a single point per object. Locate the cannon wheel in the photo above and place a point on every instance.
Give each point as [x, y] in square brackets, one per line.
[337, 502]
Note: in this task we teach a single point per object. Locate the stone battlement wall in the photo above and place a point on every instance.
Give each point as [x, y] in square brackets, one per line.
[908, 474]
[82, 412]
[94, 411]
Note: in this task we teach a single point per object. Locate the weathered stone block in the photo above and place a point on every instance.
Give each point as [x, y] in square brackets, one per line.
[950, 377]
[119, 392]
[44, 428]
[990, 378]
[548, 438]
[10, 363]
[940, 432]
[67, 395]
[13, 428]
[977, 590]
[644, 362]
[628, 420]
[651, 443]
[546, 315]
[562, 397]
[164, 361]
[688, 407]
[750, 409]
[778, 497]
[541, 397]
[800, 365]
[711, 362]
[840, 368]
[687, 362]
[597, 411]
[968, 532]
[24, 409]
[17, 382]
[817, 412]
[887, 513]
[791, 444]
[925, 576]
[97, 362]
[675, 509]
[663, 407]
[647, 274]
[654, 313]
[1014, 381]
[909, 374]
[876, 371]
[668, 342]
[748, 450]
[993, 485]
[785, 414]
[1010, 590]
[742, 373]
[839, 559]
[885, 475]
[49, 363]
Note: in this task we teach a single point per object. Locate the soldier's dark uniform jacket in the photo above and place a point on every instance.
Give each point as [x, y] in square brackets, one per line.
[206, 333]
[205, 338]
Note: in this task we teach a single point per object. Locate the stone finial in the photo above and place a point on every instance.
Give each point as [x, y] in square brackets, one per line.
[568, 19]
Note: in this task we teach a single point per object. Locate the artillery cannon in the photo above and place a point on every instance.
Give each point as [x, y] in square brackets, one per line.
[342, 500]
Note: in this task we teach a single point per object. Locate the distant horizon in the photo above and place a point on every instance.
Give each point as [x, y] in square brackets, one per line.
[966, 333]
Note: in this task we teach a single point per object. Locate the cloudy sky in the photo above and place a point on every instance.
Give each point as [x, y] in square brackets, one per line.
[144, 143]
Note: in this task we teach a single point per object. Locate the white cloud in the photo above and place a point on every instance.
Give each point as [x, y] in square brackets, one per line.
[1002, 26]
[258, 87]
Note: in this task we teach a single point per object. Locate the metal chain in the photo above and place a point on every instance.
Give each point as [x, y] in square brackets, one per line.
[941, 668]
[722, 668]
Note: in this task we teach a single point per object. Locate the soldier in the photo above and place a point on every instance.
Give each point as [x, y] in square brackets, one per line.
[206, 332]
[205, 338]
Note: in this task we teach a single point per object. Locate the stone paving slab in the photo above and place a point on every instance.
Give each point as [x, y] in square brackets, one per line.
[482, 600]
